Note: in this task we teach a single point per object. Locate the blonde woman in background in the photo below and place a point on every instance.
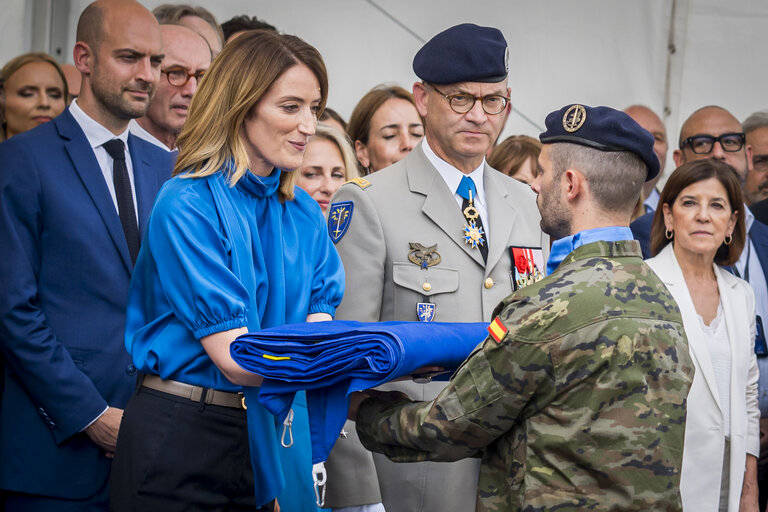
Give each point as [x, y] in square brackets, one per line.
[34, 91]
[329, 162]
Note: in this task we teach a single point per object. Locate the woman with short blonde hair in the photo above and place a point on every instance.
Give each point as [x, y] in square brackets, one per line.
[328, 163]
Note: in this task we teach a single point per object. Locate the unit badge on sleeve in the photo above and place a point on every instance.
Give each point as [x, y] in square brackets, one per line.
[339, 217]
[527, 265]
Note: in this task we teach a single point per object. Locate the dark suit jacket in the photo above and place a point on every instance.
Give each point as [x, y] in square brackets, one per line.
[641, 229]
[65, 272]
[759, 236]
[760, 211]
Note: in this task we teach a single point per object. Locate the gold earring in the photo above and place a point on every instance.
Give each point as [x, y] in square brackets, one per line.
[669, 234]
[728, 239]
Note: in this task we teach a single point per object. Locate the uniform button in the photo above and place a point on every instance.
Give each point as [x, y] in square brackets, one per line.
[130, 369]
[426, 287]
[488, 283]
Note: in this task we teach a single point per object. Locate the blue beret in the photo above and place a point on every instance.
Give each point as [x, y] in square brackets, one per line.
[601, 128]
[464, 53]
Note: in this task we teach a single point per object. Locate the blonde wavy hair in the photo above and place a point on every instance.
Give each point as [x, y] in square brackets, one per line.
[238, 78]
[341, 141]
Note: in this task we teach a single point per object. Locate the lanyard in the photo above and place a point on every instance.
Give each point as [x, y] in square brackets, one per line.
[746, 265]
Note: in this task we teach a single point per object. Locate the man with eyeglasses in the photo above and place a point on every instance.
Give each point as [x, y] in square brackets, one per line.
[187, 57]
[439, 236]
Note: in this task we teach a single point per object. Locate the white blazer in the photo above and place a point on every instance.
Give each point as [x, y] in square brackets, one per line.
[704, 433]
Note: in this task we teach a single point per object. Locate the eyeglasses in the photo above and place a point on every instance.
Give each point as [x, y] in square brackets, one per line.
[178, 75]
[703, 144]
[462, 102]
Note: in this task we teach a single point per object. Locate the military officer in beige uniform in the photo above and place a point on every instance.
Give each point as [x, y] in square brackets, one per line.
[439, 236]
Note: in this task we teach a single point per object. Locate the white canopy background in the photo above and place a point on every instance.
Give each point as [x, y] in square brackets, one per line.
[597, 52]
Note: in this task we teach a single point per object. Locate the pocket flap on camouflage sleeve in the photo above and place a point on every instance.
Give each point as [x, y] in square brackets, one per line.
[474, 386]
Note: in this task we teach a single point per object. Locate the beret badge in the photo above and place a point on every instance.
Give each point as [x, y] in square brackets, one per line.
[574, 118]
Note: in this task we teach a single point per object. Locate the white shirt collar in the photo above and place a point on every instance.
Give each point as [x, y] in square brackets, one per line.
[96, 133]
[452, 176]
[652, 201]
[135, 128]
[749, 217]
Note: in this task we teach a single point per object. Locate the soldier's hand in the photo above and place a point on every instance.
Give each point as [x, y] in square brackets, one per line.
[355, 399]
[104, 430]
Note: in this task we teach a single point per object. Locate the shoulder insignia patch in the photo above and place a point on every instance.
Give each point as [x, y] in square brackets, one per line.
[360, 182]
[497, 330]
[339, 216]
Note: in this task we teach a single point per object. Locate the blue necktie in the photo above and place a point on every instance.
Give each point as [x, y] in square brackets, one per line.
[465, 187]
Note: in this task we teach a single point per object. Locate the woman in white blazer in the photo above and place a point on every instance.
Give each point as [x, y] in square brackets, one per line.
[697, 230]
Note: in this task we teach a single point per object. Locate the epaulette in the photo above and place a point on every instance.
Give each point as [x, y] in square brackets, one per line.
[360, 182]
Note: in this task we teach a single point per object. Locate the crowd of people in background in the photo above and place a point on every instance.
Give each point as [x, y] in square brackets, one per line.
[183, 182]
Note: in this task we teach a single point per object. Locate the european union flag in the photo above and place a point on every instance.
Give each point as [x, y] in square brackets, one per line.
[333, 359]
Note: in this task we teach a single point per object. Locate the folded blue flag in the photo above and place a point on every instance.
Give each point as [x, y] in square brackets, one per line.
[333, 359]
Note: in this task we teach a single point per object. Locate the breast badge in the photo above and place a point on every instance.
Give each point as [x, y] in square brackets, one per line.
[422, 255]
[339, 217]
[527, 265]
[425, 311]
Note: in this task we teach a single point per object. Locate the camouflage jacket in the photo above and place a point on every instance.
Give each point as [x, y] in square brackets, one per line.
[579, 405]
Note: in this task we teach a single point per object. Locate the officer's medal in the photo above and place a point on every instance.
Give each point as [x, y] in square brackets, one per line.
[424, 256]
[473, 235]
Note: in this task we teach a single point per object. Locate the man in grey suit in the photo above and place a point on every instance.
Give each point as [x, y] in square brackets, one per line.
[437, 236]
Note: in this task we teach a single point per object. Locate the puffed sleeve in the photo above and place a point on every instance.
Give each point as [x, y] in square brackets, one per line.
[191, 256]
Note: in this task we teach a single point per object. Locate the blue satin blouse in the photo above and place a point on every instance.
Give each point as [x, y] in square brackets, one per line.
[217, 258]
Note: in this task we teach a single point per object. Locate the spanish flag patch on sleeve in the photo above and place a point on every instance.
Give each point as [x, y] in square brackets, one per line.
[497, 330]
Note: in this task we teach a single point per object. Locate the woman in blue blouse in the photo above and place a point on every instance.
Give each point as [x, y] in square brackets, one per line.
[231, 247]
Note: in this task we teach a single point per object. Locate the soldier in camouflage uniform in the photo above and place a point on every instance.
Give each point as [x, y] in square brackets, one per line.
[576, 401]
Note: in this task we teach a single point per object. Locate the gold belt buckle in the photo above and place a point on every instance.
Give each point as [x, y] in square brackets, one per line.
[242, 401]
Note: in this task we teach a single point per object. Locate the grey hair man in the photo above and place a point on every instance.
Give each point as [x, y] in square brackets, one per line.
[187, 57]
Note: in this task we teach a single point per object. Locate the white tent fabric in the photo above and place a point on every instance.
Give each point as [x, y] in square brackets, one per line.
[598, 52]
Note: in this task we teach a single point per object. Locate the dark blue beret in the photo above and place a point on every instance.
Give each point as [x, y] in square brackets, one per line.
[464, 53]
[601, 128]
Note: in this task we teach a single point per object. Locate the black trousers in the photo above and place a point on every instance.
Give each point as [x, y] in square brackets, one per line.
[174, 454]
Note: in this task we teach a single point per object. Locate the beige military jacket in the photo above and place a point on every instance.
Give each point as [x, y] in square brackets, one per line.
[410, 203]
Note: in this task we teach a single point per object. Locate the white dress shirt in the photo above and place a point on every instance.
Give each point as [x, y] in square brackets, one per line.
[135, 128]
[97, 135]
[452, 177]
